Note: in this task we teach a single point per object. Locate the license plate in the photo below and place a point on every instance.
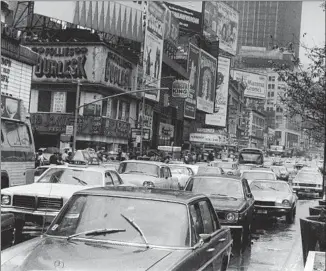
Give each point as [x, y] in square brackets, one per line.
[261, 211]
[307, 190]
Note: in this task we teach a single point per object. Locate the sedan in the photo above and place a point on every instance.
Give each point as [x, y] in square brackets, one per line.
[274, 199]
[232, 201]
[210, 171]
[308, 181]
[128, 228]
[181, 172]
[230, 168]
[252, 175]
[281, 172]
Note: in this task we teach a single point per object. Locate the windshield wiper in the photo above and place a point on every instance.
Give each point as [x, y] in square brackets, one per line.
[273, 188]
[224, 195]
[79, 180]
[96, 232]
[258, 187]
[136, 227]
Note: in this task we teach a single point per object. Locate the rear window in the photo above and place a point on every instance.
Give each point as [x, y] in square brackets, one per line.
[252, 175]
[209, 171]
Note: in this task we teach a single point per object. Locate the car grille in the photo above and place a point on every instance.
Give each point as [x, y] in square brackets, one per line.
[49, 203]
[24, 201]
[307, 184]
[221, 215]
[265, 203]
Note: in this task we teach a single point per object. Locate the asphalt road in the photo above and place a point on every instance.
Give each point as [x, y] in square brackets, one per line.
[275, 245]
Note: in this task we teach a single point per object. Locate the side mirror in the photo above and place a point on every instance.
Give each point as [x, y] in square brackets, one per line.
[206, 238]
[29, 176]
[249, 195]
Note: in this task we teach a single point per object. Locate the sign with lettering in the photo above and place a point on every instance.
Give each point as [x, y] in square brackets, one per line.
[208, 138]
[180, 89]
[91, 64]
[10, 33]
[166, 130]
[88, 125]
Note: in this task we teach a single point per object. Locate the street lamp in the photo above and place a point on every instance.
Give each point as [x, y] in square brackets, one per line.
[98, 100]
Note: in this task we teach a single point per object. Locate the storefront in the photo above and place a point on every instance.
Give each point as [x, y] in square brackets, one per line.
[101, 73]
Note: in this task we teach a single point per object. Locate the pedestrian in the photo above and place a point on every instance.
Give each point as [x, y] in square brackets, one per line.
[210, 157]
[40, 159]
[65, 155]
[54, 159]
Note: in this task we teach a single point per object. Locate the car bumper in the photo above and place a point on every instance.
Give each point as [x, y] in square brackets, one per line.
[307, 190]
[30, 215]
[271, 211]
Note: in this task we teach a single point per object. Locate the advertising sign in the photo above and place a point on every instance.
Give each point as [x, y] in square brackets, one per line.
[59, 63]
[208, 138]
[59, 102]
[171, 28]
[148, 116]
[123, 18]
[153, 48]
[207, 82]
[136, 134]
[221, 22]
[206, 130]
[10, 108]
[277, 148]
[221, 96]
[255, 83]
[166, 130]
[180, 89]
[189, 20]
[193, 73]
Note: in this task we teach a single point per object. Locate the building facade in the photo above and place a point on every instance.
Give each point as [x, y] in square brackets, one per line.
[269, 23]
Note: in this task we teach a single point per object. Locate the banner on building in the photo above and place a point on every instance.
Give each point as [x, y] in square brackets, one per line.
[221, 23]
[193, 73]
[255, 83]
[153, 48]
[208, 138]
[221, 95]
[166, 130]
[171, 28]
[207, 82]
[189, 20]
[180, 89]
[121, 18]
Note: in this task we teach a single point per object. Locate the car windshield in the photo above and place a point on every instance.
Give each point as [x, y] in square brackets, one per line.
[308, 176]
[217, 186]
[255, 175]
[179, 170]
[250, 158]
[226, 165]
[209, 171]
[269, 186]
[162, 223]
[72, 176]
[140, 168]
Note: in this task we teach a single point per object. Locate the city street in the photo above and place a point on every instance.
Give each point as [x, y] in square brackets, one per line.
[275, 245]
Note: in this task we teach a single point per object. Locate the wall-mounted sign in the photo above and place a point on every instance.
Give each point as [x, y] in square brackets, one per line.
[59, 102]
[208, 138]
[136, 134]
[166, 130]
[206, 130]
[180, 89]
[91, 64]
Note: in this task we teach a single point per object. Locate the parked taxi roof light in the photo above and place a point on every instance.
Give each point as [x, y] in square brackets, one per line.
[77, 163]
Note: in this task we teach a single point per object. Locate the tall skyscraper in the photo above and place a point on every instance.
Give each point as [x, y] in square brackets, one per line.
[269, 23]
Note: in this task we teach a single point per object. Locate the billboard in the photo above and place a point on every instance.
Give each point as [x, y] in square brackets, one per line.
[153, 48]
[193, 73]
[123, 19]
[255, 83]
[171, 28]
[189, 20]
[208, 138]
[207, 82]
[221, 22]
[221, 96]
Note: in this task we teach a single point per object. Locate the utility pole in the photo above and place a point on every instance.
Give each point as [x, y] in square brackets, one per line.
[142, 124]
[76, 117]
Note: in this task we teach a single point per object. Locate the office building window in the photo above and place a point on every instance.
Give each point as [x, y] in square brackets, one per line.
[272, 94]
[44, 101]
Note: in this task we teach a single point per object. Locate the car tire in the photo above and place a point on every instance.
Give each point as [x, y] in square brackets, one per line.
[225, 262]
[321, 194]
[290, 216]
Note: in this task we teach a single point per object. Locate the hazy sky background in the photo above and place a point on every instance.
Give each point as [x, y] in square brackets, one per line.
[312, 22]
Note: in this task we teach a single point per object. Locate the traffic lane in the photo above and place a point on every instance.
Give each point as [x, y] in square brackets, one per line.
[275, 245]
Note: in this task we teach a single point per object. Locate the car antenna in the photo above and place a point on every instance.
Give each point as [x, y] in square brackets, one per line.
[46, 208]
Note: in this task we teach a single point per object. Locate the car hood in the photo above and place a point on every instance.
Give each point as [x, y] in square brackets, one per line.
[223, 203]
[137, 179]
[270, 195]
[53, 254]
[45, 190]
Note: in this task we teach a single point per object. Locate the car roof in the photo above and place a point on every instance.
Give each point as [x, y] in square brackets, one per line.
[258, 170]
[97, 168]
[177, 196]
[145, 162]
[219, 176]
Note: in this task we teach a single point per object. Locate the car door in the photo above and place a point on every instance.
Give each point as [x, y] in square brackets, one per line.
[249, 198]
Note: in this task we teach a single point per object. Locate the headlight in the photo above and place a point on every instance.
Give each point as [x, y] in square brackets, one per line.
[5, 200]
[148, 184]
[286, 203]
[231, 217]
[318, 185]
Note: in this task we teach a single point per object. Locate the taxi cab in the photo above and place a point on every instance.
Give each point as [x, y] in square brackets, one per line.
[39, 202]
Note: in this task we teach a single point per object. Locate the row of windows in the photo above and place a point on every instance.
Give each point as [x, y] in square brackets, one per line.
[270, 94]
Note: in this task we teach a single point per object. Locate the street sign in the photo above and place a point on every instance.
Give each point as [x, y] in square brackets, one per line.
[138, 138]
[69, 129]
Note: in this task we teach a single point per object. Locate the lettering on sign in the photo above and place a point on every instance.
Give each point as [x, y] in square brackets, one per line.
[5, 72]
[118, 71]
[50, 65]
[10, 32]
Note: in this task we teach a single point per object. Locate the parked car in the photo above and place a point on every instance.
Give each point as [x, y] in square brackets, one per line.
[182, 172]
[258, 174]
[44, 198]
[229, 168]
[308, 181]
[147, 173]
[274, 199]
[232, 201]
[281, 173]
[128, 228]
[210, 171]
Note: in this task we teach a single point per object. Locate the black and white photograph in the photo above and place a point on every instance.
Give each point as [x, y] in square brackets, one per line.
[163, 135]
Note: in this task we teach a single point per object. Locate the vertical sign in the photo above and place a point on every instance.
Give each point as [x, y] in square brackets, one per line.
[59, 102]
[207, 80]
[153, 48]
[221, 97]
[193, 73]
